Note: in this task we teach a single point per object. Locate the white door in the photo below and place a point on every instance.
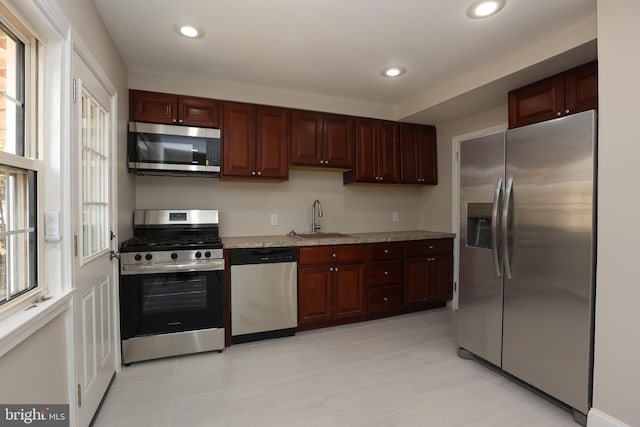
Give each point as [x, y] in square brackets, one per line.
[94, 275]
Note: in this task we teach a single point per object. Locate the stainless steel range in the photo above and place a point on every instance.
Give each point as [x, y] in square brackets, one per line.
[171, 285]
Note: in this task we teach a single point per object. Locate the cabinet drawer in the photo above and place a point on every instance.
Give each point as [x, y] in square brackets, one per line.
[385, 298]
[335, 254]
[386, 250]
[419, 248]
[385, 272]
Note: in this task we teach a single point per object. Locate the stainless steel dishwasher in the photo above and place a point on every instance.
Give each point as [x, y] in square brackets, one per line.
[264, 293]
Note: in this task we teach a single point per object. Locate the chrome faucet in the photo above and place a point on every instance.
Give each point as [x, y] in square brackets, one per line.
[315, 225]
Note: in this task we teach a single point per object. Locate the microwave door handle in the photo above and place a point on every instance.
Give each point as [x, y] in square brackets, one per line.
[506, 237]
[497, 264]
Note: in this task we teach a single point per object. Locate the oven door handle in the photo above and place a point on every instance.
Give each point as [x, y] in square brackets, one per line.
[171, 268]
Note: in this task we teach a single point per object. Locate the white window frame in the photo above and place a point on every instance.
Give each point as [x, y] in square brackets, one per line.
[104, 152]
[33, 68]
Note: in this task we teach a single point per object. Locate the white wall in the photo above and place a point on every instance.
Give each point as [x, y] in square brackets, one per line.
[617, 340]
[86, 21]
[37, 369]
[245, 208]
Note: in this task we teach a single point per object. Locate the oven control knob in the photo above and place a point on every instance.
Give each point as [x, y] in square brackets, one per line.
[148, 257]
[138, 257]
[207, 254]
[174, 255]
[198, 254]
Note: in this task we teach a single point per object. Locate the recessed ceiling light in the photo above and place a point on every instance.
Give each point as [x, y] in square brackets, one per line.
[393, 71]
[188, 30]
[485, 8]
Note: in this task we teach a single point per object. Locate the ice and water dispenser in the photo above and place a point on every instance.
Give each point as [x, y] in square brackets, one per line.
[479, 225]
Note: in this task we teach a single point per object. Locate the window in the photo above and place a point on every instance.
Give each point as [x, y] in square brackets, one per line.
[95, 185]
[19, 165]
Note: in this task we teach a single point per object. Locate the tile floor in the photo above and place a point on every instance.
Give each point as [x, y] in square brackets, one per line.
[400, 371]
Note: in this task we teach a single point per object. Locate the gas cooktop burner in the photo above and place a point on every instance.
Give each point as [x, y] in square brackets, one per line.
[168, 243]
[171, 230]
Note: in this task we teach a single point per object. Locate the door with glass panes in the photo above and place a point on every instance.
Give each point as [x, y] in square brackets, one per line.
[94, 272]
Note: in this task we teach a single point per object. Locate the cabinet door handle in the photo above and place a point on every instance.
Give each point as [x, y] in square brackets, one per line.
[385, 299]
[173, 120]
[333, 255]
[336, 269]
[386, 273]
[566, 111]
[430, 246]
[330, 268]
[559, 113]
[253, 173]
[259, 173]
[180, 121]
[386, 251]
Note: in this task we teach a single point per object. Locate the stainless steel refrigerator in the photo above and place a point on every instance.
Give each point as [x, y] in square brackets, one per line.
[527, 255]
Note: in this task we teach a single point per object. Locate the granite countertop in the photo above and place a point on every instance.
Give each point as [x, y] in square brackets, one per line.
[348, 239]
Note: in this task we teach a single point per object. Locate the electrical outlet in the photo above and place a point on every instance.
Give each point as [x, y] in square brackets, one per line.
[395, 217]
[274, 219]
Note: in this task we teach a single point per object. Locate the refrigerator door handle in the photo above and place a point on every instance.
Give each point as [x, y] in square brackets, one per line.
[506, 211]
[497, 264]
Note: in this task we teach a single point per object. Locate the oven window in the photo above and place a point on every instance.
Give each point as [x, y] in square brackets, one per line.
[172, 293]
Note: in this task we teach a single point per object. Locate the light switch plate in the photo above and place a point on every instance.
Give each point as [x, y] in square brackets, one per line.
[52, 226]
[395, 217]
[274, 219]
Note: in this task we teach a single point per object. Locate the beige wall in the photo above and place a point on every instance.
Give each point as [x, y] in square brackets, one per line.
[245, 208]
[258, 95]
[617, 341]
[437, 202]
[35, 379]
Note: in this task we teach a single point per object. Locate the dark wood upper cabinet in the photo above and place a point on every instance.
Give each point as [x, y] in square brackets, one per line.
[255, 142]
[272, 142]
[338, 141]
[321, 140]
[563, 94]
[377, 153]
[418, 163]
[581, 88]
[171, 109]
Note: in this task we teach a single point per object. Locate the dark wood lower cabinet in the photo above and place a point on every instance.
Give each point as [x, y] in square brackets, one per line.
[344, 283]
[385, 299]
[428, 279]
[348, 291]
[315, 295]
[440, 277]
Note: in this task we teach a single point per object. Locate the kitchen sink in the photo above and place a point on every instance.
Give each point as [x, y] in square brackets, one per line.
[322, 236]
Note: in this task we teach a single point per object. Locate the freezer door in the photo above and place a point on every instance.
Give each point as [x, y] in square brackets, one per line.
[548, 301]
[480, 290]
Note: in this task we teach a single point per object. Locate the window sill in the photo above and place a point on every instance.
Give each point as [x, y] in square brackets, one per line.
[19, 326]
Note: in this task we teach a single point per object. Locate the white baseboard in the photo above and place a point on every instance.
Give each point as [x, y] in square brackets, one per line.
[598, 418]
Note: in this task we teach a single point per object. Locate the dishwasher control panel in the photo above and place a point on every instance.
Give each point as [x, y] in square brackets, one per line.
[262, 255]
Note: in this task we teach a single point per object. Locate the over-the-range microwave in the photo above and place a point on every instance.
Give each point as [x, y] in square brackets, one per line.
[155, 149]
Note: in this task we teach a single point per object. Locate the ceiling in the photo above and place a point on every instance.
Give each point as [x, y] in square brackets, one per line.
[331, 48]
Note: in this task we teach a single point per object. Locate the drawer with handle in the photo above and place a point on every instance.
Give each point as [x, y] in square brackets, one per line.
[386, 250]
[385, 272]
[385, 298]
[331, 254]
[419, 248]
